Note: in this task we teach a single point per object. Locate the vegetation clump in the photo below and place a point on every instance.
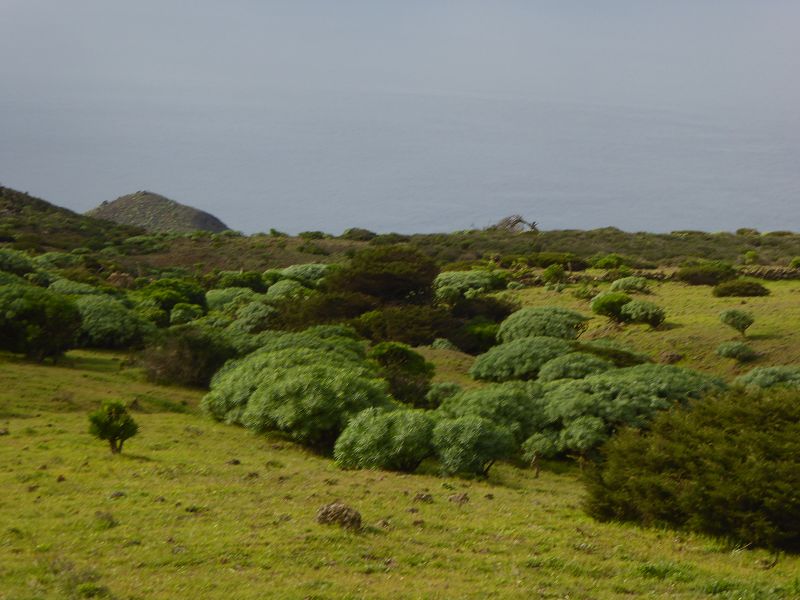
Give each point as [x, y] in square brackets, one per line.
[452, 286]
[631, 285]
[112, 423]
[470, 444]
[737, 319]
[705, 273]
[408, 373]
[727, 466]
[769, 377]
[547, 321]
[738, 351]
[740, 288]
[609, 304]
[36, 322]
[575, 365]
[396, 440]
[186, 354]
[641, 311]
[108, 323]
[519, 359]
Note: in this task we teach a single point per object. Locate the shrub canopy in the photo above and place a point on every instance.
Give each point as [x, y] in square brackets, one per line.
[740, 288]
[641, 311]
[470, 444]
[726, 467]
[398, 440]
[518, 359]
[631, 285]
[408, 373]
[609, 304]
[737, 319]
[549, 321]
[107, 323]
[768, 377]
[37, 322]
[575, 365]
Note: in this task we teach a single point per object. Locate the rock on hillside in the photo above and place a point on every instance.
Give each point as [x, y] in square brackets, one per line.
[156, 213]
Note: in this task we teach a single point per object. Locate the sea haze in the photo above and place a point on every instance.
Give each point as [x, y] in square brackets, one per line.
[434, 117]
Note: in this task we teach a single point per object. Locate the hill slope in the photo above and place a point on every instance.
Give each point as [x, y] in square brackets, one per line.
[34, 224]
[154, 212]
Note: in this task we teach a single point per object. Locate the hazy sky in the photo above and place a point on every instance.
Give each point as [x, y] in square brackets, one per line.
[282, 113]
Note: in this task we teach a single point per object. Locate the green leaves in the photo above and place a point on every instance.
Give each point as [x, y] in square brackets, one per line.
[112, 423]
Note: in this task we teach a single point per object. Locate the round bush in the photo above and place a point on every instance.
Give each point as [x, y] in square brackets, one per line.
[451, 286]
[575, 365]
[309, 274]
[37, 322]
[15, 262]
[107, 323]
[609, 304]
[705, 273]
[374, 439]
[547, 321]
[738, 319]
[768, 377]
[726, 467]
[631, 285]
[186, 354]
[470, 445]
[514, 405]
[554, 274]
[518, 359]
[253, 317]
[286, 289]
[183, 313]
[408, 373]
[738, 351]
[740, 288]
[73, 288]
[641, 311]
[220, 299]
[444, 344]
[312, 404]
[439, 392]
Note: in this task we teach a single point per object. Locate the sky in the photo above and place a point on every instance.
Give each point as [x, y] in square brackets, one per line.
[417, 115]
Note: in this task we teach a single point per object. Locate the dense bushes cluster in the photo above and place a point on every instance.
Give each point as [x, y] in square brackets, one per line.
[542, 321]
[726, 467]
[740, 288]
[705, 273]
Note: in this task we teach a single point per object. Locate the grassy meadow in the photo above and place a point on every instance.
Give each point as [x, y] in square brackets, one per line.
[193, 508]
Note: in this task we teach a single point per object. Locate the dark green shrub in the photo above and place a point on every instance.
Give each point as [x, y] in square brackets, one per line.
[575, 365]
[516, 406]
[615, 352]
[73, 288]
[322, 307]
[286, 290]
[254, 317]
[439, 392]
[221, 299]
[738, 351]
[357, 234]
[413, 325]
[727, 467]
[740, 288]
[37, 322]
[470, 445]
[768, 377]
[705, 273]
[390, 273]
[308, 274]
[547, 321]
[186, 354]
[477, 335]
[408, 373]
[111, 422]
[737, 319]
[312, 235]
[16, 262]
[609, 304]
[398, 440]
[631, 285]
[183, 313]
[107, 323]
[571, 262]
[166, 293]
[313, 404]
[612, 261]
[641, 311]
[518, 359]
[241, 279]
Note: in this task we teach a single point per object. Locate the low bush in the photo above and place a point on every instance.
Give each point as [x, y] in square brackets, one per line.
[470, 445]
[613, 351]
[254, 317]
[16, 262]
[518, 359]
[183, 313]
[408, 373]
[312, 404]
[73, 288]
[609, 304]
[631, 285]
[516, 406]
[309, 274]
[186, 354]
[286, 290]
[439, 392]
[705, 273]
[738, 351]
[413, 325]
[641, 311]
[737, 319]
[112, 423]
[398, 440]
[36, 322]
[444, 344]
[554, 274]
[107, 323]
[221, 299]
[571, 262]
[575, 365]
[769, 377]
[740, 288]
[357, 234]
[547, 321]
[726, 467]
[452, 286]
[241, 279]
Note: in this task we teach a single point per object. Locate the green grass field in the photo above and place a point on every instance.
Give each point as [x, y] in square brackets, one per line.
[197, 509]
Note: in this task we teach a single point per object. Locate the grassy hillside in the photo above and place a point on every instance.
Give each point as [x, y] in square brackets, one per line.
[198, 509]
[154, 213]
[30, 223]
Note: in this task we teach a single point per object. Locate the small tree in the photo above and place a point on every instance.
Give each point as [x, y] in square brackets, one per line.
[738, 319]
[113, 423]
